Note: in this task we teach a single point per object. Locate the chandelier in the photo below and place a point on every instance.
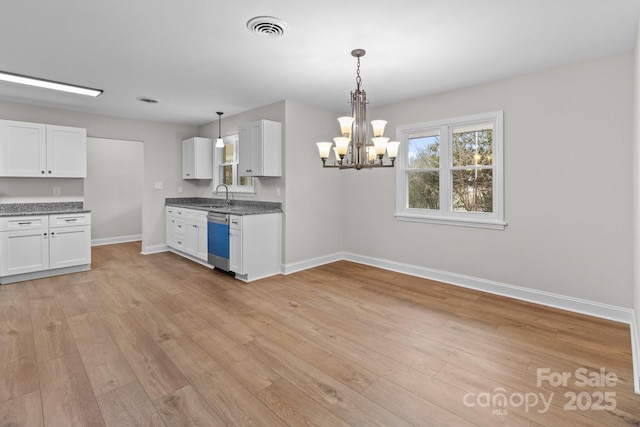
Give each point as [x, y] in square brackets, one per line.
[353, 150]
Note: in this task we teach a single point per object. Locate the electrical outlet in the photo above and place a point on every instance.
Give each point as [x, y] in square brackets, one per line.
[158, 185]
[179, 188]
[56, 191]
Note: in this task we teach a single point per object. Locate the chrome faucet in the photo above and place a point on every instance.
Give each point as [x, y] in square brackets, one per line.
[226, 191]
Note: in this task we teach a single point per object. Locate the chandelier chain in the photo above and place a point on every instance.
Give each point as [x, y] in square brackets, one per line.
[358, 78]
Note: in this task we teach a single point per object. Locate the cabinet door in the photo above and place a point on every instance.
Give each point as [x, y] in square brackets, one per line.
[70, 246]
[235, 251]
[188, 158]
[246, 151]
[66, 152]
[22, 149]
[202, 242]
[23, 251]
[192, 238]
[171, 232]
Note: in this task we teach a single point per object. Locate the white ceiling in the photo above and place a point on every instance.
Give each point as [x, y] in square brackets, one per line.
[198, 57]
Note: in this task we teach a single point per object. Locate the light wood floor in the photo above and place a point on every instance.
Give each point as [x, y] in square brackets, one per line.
[159, 340]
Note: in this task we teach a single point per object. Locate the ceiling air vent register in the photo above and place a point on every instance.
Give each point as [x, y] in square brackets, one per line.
[267, 26]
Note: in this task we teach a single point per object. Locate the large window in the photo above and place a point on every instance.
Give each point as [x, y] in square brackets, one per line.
[450, 171]
[226, 167]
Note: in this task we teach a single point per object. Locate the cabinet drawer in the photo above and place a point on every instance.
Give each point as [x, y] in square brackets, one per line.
[175, 212]
[23, 223]
[235, 222]
[68, 220]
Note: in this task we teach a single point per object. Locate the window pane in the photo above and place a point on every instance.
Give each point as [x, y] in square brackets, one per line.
[227, 175]
[472, 190]
[246, 181]
[228, 153]
[473, 145]
[424, 151]
[424, 190]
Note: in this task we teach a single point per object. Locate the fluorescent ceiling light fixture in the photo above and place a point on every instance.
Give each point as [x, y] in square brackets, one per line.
[48, 84]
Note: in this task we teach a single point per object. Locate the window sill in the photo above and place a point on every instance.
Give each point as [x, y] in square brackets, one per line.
[460, 222]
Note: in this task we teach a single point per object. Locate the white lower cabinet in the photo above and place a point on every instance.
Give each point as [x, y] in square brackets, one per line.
[46, 244]
[24, 245]
[187, 231]
[255, 245]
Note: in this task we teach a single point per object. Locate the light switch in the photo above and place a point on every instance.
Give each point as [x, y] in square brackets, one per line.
[157, 185]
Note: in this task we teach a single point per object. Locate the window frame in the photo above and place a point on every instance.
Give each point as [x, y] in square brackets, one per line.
[445, 214]
[218, 164]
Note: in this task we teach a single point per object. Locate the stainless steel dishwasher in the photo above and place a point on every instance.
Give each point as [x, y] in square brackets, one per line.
[218, 240]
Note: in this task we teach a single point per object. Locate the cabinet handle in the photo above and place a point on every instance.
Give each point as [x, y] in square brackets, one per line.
[42, 172]
[49, 171]
[71, 219]
[45, 235]
[25, 223]
[52, 233]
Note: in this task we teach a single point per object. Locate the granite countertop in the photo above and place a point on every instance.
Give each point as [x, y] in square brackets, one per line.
[238, 207]
[53, 208]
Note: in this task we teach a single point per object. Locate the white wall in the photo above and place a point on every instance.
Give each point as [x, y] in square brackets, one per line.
[636, 212]
[567, 187]
[162, 154]
[114, 189]
[314, 210]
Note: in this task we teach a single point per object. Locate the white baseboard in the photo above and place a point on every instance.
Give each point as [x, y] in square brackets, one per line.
[312, 262]
[155, 249]
[113, 240]
[577, 305]
[635, 352]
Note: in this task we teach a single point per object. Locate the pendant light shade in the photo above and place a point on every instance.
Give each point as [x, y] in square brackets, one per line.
[219, 141]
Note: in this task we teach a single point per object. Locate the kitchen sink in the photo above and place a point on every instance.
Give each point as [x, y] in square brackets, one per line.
[212, 206]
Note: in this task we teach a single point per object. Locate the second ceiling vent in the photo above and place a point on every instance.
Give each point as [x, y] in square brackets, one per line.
[267, 26]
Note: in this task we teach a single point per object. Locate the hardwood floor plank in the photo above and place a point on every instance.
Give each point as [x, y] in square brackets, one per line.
[185, 407]
[18, 371]
[18, 377]
[72, 300]
[129, 406]
[233, 357]
[52, 335]
[414, 409]
[297, 409]
[23, 411]
[67, 399]
[153, 368]
[146, 314]
[328, 391]
[106, 366]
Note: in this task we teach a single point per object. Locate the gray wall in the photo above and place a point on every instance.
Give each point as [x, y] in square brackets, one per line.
[636, 210]
[114, 189]
[567, 140]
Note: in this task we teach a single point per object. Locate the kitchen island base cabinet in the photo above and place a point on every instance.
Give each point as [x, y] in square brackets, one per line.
[255, 245]
[33, 247]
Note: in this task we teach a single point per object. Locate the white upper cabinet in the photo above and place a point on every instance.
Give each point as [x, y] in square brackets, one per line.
[39, 150]
[197, 158]
[260, 152]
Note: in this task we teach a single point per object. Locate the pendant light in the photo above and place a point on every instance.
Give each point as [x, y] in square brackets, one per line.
[219, 141]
